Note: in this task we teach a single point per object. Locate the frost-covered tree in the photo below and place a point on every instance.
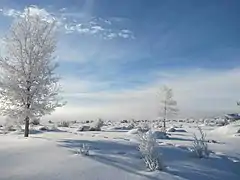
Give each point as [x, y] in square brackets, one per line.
[28, 86]
[168, 104]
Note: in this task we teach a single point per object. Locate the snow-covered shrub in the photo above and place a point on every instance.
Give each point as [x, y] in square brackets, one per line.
[97, 125]
[53, 128]
[84, 150]
[200, 146]
[145, 127]
[124, 121]
[64, 124]
[83, 128]
[130, 126]
[148, 147]
[9, 127]
[12, 125]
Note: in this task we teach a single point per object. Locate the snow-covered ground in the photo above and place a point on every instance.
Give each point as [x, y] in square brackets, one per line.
[114, 155]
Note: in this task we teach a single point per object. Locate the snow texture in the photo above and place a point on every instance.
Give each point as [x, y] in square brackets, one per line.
[115, 155]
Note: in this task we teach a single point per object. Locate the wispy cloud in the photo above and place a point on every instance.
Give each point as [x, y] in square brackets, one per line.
[76, 23]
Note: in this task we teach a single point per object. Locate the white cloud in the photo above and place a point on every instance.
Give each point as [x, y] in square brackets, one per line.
[111, 35]
[199, 93]
[32, 10]
[10, 12]
[125, 36]
[126, 31]
[62, 9]
[78, 22]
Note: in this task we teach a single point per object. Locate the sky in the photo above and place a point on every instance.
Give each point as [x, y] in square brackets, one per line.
[116, 55]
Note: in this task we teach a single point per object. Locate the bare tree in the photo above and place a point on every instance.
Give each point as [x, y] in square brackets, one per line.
[168, 104]
[28, 86]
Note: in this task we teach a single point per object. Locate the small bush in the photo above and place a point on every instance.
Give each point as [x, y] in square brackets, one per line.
[9, 127]
[97, 126]
[84, 150]
[200, 146]
[148, 149]
[124, 121]
[131, 126]
[83, 128]
[145, 127]
[53, 128]
[64, 124]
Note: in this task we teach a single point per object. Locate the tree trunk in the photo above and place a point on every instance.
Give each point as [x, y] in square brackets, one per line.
[164, 124]
[165, 116]
[26, 131]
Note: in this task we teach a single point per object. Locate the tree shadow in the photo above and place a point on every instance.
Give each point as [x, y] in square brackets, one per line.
[180, 162]
[119, 155]
[180, 139]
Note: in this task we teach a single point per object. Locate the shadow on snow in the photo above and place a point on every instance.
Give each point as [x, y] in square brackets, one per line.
[180, 162]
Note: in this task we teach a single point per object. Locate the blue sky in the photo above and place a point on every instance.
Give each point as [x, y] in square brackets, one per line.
[116, 49]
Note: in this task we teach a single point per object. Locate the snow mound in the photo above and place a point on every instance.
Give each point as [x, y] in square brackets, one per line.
[91, 127]
[160, 135]
[137, 130]
[42, 128]
[129, 127]
[172, 129]
[180, 130]
[51, 128]
[230, 129]
[134, 131]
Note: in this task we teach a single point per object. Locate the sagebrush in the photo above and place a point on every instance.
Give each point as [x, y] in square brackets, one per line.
[84, 150]
[148, 147]
[200, 146]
